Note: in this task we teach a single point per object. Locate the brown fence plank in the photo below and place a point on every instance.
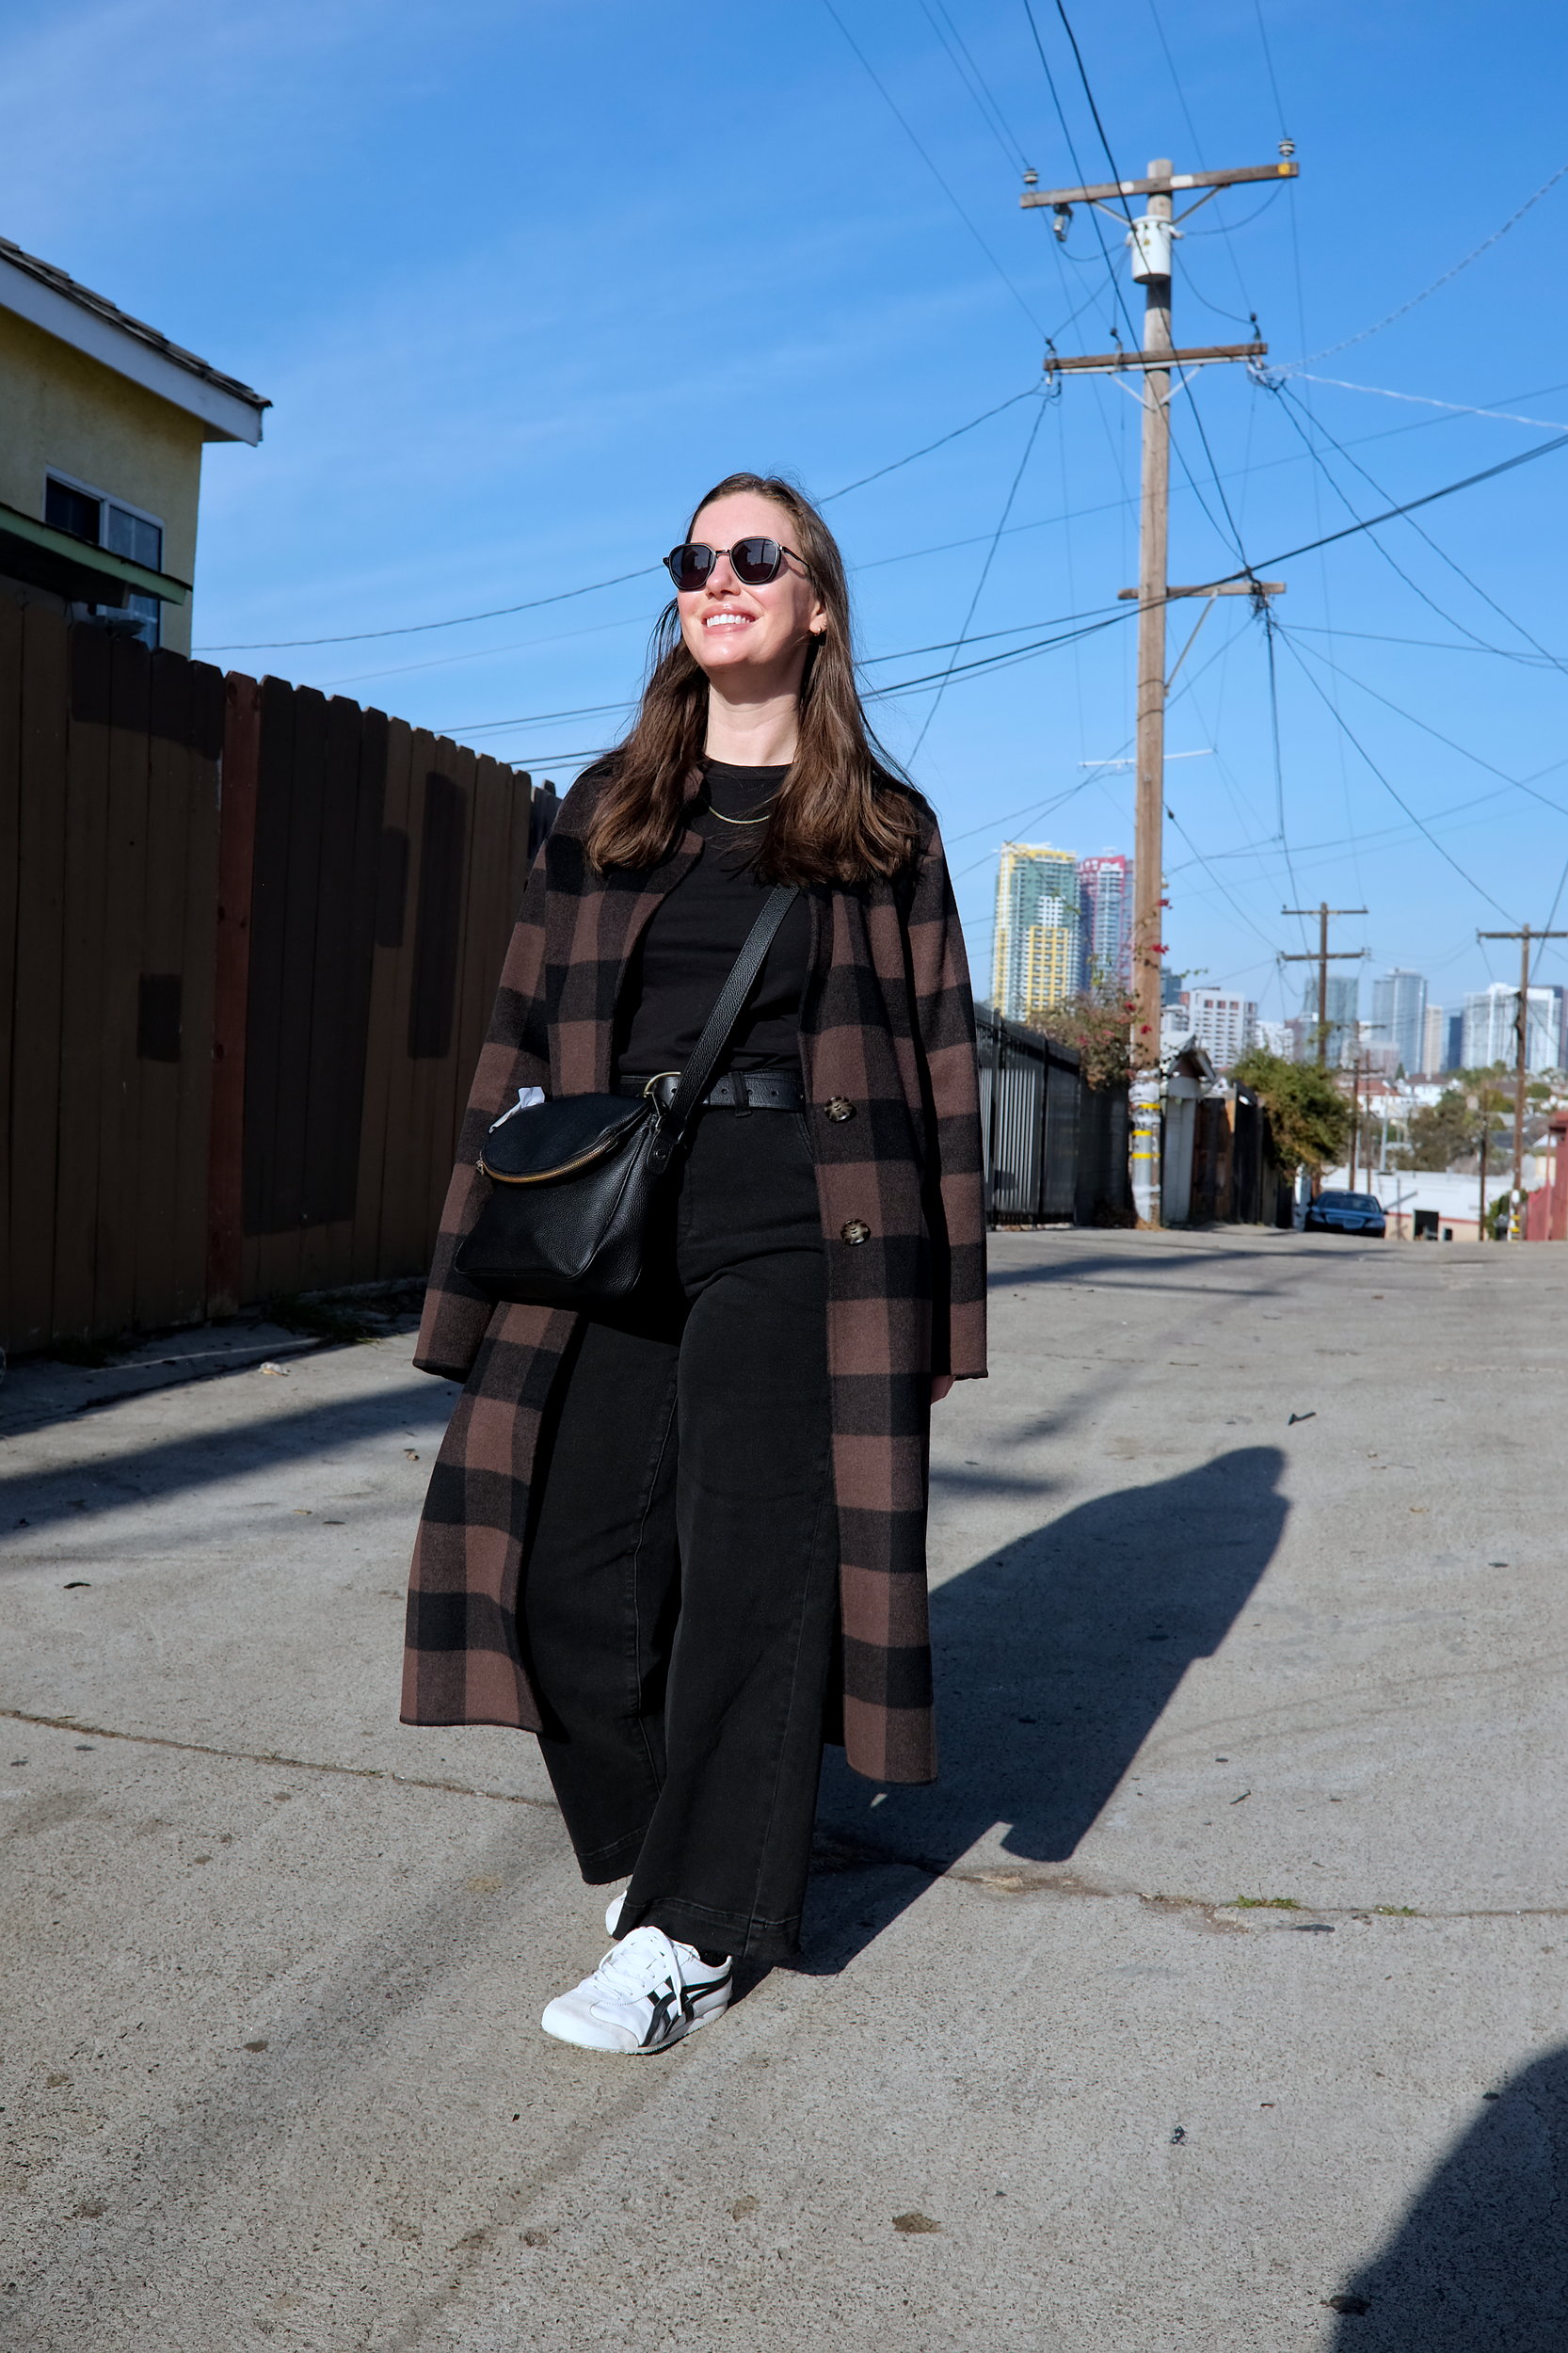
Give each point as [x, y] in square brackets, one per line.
[36, 1042]
[449, 1088]
[10, 780]
[386, 1056]
[323, 1216]
[196, 952]
[403, 1216]
[288, 864]
[268, 909]
[83, 1076]
[242, 738]
[285, 1213]
[152, 1182]
[198, 965]
[487, 926]
[114, 1288]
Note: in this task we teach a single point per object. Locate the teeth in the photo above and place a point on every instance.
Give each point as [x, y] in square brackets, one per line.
[727, 620]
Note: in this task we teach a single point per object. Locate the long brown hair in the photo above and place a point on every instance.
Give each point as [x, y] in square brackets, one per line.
[841, 814]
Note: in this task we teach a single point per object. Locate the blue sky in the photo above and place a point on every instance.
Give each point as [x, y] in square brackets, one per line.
[523, 280]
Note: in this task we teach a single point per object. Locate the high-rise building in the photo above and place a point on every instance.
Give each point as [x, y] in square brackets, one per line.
[1223, 1025]
[1434, 1042]
[1275, 1038]
[1491, 1034]
[1342, 1007]
[1037, 962]
[1105, 889]
[1399, 1018]
[1454, 1058]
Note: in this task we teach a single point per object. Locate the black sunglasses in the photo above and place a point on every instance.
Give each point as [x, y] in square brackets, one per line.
[753, 563]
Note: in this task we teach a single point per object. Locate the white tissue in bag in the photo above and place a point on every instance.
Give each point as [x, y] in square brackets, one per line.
[527, 1097]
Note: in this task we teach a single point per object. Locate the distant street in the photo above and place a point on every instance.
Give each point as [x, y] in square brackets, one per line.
[1217, 1996]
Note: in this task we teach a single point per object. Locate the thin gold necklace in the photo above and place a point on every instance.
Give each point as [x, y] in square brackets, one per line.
[739, 820]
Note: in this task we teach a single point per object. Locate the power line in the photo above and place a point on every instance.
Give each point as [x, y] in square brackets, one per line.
[1239, 473]
[414, 629]
[1268, 62]
[1268, 627]
[1096, 775]
[1126, 611]
[1390, 788]
[1428, 498]
[958, 431]
[1088, 93]
[1427, 400]
[974, 83]
[1437, 284]
[1219, 884]
[926, 159]
[985, 574]
[1389, 558]
[1117, 295]
[563, 595]
[1457, 568]
[1518, 783]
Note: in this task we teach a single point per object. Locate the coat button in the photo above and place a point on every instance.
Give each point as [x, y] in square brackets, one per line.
[856, 1230]
[838, 1107]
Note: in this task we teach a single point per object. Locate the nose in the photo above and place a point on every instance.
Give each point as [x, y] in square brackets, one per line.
[721, 579]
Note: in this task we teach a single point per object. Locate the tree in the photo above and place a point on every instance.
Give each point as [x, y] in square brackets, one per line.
[1098, 1024]
[1309, 1118]
[1451, 1128]
[1440, 1133]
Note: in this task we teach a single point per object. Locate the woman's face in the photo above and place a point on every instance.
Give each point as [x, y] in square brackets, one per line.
[755, 636]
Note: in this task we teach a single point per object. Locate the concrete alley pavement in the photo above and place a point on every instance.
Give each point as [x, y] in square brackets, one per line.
[1215, 1997]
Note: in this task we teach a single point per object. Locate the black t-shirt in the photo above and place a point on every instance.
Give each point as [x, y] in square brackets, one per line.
[695, 934]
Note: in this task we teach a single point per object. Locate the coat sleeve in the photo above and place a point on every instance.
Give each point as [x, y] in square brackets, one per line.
[514, 1054]
[944, 1017]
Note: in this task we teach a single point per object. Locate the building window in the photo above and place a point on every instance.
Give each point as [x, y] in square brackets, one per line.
[103, 522]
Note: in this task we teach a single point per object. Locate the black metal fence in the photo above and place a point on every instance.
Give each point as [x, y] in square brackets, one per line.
[1055, 1147]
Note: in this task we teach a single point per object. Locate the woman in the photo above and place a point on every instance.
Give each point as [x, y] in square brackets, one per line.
[657, 1539]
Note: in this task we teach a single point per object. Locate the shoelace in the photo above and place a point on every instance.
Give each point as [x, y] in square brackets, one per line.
[626, 1969]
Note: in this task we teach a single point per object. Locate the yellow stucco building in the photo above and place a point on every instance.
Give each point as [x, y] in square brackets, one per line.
[102, 425]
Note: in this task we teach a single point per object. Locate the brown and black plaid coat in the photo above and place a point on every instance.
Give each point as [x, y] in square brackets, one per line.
[886, 1027]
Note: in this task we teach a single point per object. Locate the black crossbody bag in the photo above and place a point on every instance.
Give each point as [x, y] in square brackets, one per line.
[572, 1181]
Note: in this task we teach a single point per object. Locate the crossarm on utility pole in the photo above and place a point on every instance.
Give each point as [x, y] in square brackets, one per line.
[1113, 362]
[1166, 183]
[1323, 959]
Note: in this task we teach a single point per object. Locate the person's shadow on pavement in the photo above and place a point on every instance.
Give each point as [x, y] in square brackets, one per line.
[1055, 1658]
[1479, 2264]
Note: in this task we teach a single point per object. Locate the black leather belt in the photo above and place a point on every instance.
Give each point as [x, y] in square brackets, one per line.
[738, 1090]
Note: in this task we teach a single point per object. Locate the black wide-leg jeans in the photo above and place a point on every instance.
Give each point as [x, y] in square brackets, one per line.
[680, 1599]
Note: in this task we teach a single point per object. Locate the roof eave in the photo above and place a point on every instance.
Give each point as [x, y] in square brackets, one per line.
[226, 409]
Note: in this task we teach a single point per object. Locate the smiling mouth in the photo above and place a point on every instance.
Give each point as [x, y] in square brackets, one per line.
[727, 620]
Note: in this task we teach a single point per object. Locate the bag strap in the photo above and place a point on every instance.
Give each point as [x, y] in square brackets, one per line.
[720, 1025]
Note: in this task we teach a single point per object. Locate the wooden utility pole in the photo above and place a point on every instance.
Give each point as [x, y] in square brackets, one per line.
[1322, 956]
[1151, 237]
[1521, 1068]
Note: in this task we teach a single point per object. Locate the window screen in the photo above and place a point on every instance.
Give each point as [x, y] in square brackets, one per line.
[67, 509]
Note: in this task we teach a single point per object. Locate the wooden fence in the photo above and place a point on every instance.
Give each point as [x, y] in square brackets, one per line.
[249, 937]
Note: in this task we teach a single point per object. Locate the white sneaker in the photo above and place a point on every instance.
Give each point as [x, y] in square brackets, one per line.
[645, 1994]
[611, 1913]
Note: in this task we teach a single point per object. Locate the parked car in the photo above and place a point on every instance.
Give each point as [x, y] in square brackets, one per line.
[1335, 1213]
